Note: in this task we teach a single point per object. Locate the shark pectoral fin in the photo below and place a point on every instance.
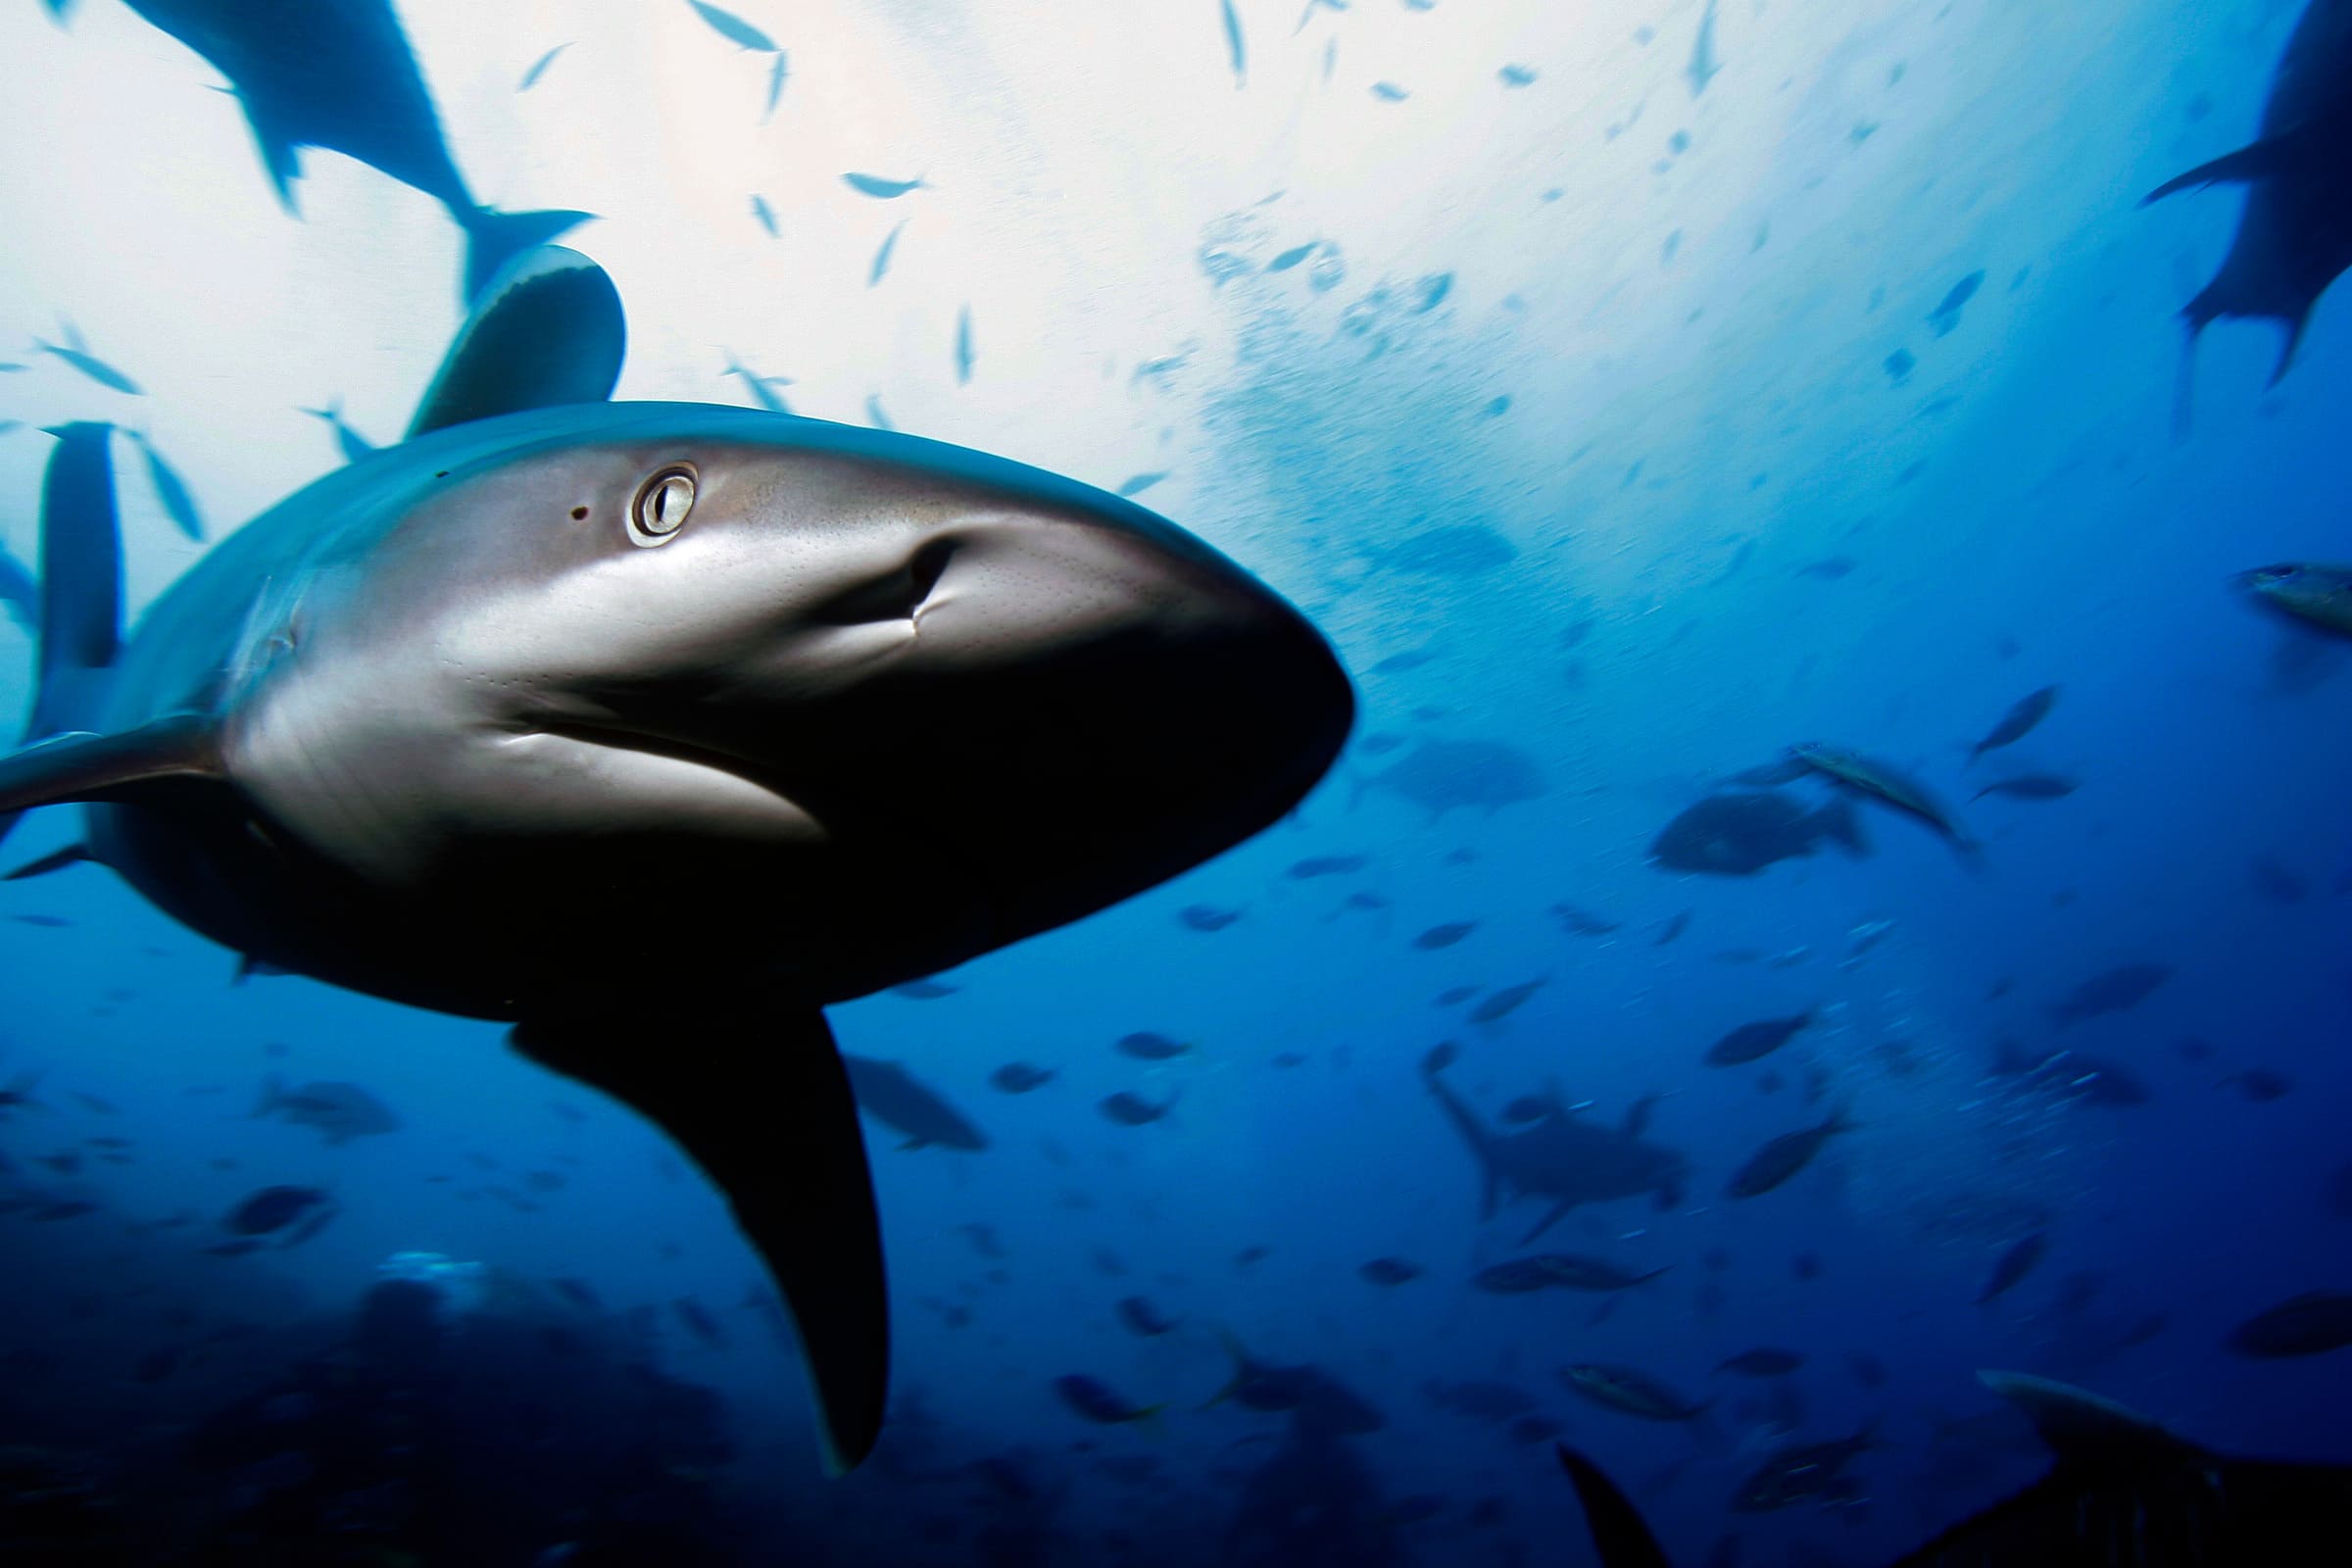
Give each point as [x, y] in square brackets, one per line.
[82, 579]
[546, 330]
[2263, 159]
[778, 1136]
[177, 750]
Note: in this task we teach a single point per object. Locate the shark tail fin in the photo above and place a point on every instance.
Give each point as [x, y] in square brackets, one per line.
[791, 1161]
[494, 238]
[1620, 1537]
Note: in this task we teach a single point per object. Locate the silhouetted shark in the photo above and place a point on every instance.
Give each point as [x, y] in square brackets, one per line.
[1566, 1157]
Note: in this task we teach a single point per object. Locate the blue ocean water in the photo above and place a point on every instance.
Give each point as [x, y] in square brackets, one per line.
[1628, 392]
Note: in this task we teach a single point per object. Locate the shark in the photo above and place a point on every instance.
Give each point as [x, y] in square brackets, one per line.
[2121, 1493]
[1566, 1157]
[341, 76]
[650, 729]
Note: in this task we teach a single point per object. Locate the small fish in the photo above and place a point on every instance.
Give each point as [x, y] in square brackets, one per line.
[1703, 66]
[1581, 922]
[1136, 484]
[1444, 936]
[353, 445]
[1875, 779]
[1131, 1109]
[758, 385]
[1829, 568]
[733, 28]
[1784, 1156]
[1947, 315]
[1751, 1041]
[2313, 593]
[531, 77]
[272, 1209]
[1315, 865]
[1440, 1057]
[1455, 996]
[72, 351]
[761, 215]
[1764, 1361]
[1501, 1004]
[1142, 1317]
[1097, 1402]
[2261, 1084]
[2311, 1324]
[1147, 1046]
[1630, 1391]
[775, 86]
[55, 922]
[2012, 1266]
[171, 490]
[964, 346]
[879, 188]
[2029, 787]
[1390, 1271]
[2018, 723]
[1291, 257]
[1206, 917]
[890, 243]
[1389, 92]
[1567, 1271]
[1516, 75]
[1234, 48]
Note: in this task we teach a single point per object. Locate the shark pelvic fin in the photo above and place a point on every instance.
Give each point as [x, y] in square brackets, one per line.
[783, 1145]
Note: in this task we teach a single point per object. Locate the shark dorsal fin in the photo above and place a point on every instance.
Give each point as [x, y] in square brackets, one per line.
[81, 766]
[547, 330]
[2080, 1428]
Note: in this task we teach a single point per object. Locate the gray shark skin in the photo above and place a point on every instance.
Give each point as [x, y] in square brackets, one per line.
[2123, 1493]
[650, 729]
[1567, 1158]
[341, 76]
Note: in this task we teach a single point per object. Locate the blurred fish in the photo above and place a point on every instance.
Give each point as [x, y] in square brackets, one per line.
[2029, 787]
[531, 77]
[1671, 927]
[1879, 781]
[964, 346]
[1868, 1369]
[2311, 1324]
[1206, 917]
[1568, 1271]
[2261, 1084]
[1131, 1109]
[879, 188]
[1139, 1315]
[1390, 1271]
[1455, 996]
[1742, 832]
[1807, 1472]
[1829, 568]
[1581, 922]
[1703, 64]
[1136, 484]
[272, 1209]
[733, 28]
[171, 490]
[2116, 989]
[1234, 48]
[1389, 92]
[2276, 882]
[1516, 75]
[341, 1111]
[2018, 723]
[887, 1092]
[77, 352]
[1568, 1160]
[925, 990]
[2311, 593]
[1629, 1391]
[1444, 936]
[1764, 1361]
[890, 243]
[1441, 1056]
[1315, 865]
[758, 385]
[2012, 1266]
[762, 215]
[1442, 777]
[1780, 1158]
[1501, 1004]
[1946, 315]
[1480, 1398]
[353, 445]
[1760, 1038]
[341, 76]
[776, 73]
[1146, 1046]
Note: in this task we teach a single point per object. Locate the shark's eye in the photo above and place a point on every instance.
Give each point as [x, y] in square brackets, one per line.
[661, 508]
